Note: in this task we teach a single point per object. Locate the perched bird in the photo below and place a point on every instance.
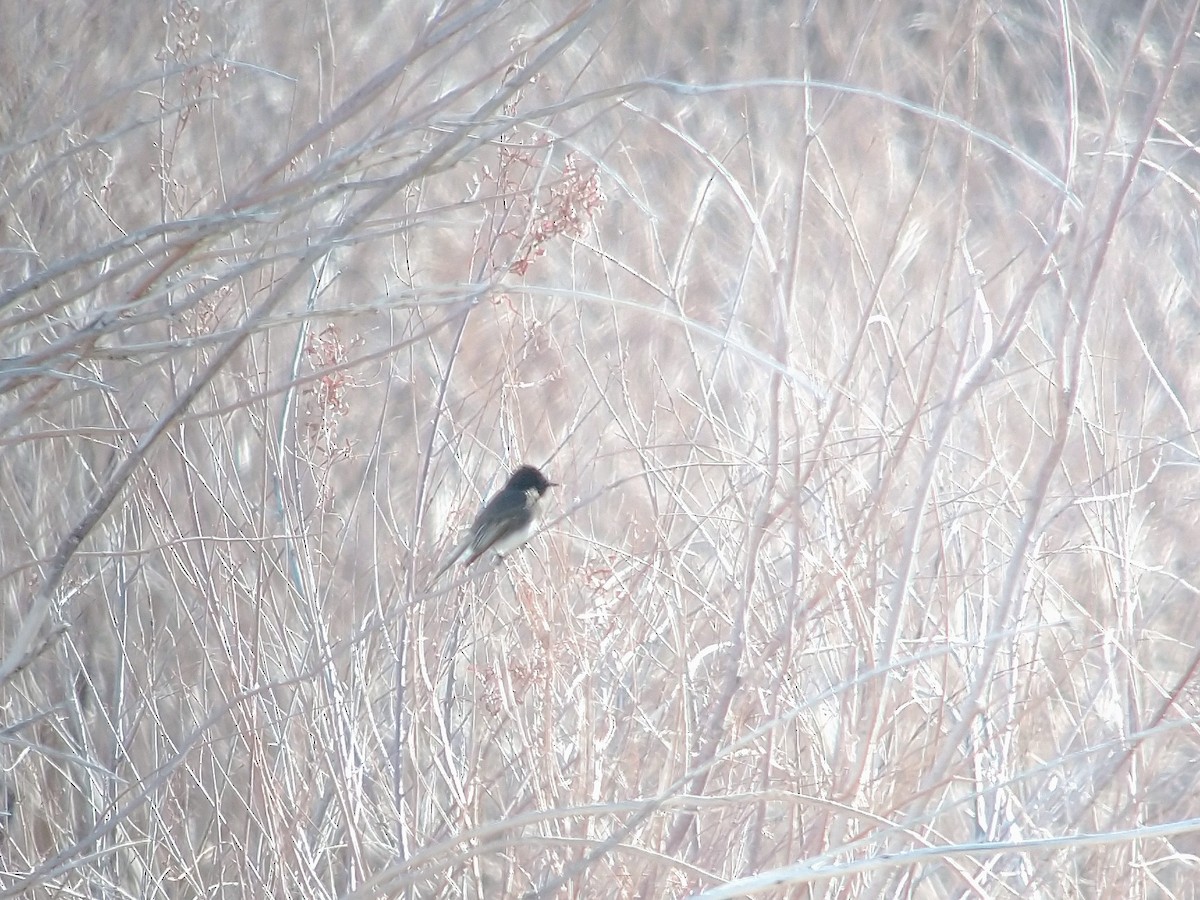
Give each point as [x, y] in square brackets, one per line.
[508, 521]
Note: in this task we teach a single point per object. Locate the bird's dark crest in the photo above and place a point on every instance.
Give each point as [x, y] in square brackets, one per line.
[529, 478]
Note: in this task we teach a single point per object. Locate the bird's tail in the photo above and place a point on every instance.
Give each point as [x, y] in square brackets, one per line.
[455, 555]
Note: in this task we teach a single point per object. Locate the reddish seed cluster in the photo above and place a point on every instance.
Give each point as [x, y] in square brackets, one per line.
[327, 395]
[575, 200]
[325, 350]
[523, 674]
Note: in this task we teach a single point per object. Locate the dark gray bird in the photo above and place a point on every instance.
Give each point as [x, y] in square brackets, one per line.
[508, 521]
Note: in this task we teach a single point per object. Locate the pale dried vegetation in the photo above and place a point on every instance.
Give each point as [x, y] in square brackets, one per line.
[861, 336]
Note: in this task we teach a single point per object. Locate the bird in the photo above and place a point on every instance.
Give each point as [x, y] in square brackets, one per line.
[507, 521]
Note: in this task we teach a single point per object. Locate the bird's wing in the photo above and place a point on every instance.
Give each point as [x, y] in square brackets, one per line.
[507, 511]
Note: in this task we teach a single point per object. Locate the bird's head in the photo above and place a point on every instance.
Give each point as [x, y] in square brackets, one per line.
[529, 478]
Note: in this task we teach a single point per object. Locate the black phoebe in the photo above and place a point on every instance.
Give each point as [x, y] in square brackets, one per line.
[508, 521]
